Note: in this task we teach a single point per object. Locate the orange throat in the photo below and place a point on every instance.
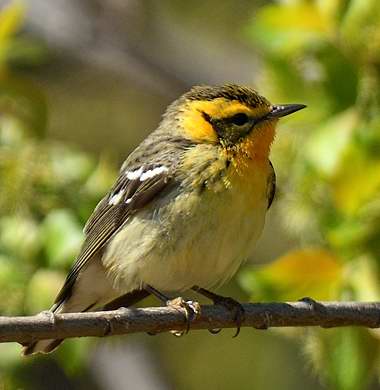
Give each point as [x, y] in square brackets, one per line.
[254, 149]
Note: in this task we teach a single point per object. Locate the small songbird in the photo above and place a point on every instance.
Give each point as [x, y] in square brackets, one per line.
[187, 208]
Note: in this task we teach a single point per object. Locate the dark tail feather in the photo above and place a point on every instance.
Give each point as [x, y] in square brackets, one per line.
[47, 346]
[127, 300]
[42, 346]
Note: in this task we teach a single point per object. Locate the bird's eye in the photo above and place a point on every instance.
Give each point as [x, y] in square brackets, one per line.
[239, 119]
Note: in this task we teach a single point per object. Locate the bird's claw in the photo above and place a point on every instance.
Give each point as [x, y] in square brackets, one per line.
[48, 314]
[235, 307]
[215, 331]
[190, 309]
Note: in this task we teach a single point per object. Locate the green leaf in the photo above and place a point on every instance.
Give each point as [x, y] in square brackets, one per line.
[289, 27]
[363, 277]
[19, 237]
[345, 357]
[9, 356]
[42, 289]
[69, 166]
[360, 29]
[23, 100]
[73, 354]
[27, 52]
[348, 234]
[326, 145]
[62, 238]
[357, 182]
[13, 277]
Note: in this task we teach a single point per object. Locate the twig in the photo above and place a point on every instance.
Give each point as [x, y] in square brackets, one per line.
[161, 319]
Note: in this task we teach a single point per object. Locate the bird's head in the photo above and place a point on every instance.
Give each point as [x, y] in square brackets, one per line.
[235, 117]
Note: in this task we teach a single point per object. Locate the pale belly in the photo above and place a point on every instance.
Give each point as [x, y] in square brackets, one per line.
[203, 244]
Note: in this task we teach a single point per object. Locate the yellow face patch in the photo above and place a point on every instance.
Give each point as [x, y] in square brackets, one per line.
[198, 128]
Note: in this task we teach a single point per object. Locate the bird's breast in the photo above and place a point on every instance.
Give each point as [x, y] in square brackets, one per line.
[191, 237]
[206, 236]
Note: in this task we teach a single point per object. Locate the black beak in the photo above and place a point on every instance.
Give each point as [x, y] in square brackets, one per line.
[281, 110]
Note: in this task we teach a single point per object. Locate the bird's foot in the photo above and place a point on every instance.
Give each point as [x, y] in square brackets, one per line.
[49, 315]
[191, 310]
[233, 306]
[229, 303]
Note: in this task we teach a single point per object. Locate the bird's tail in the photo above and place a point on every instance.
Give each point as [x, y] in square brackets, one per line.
[90, 290]
[41, 346]
[47, 346]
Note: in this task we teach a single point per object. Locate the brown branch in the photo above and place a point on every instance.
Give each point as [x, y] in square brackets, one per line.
[161, 319]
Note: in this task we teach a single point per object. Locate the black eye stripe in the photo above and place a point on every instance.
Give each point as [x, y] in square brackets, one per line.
[239, 119]
[206, 116]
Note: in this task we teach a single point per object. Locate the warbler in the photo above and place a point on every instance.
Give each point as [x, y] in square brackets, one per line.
[187, 208]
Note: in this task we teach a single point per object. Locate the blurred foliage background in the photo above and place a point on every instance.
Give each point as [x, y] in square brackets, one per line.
[82, 82]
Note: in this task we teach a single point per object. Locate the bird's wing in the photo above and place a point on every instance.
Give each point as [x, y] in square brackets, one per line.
[133, 190]
[271, 185]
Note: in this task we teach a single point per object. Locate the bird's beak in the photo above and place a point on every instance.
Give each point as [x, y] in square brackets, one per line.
[280, 110]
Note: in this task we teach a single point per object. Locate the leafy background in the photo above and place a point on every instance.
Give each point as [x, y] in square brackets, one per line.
[76, 96]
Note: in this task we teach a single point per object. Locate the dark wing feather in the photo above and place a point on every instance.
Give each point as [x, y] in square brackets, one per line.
[271, 185]
[127, 300]
[101, 209]
[107, 218]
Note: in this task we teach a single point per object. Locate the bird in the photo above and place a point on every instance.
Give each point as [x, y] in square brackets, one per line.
[186, 210]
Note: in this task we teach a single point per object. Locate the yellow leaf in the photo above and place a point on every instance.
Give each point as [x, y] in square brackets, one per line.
[362, 275]
[305, 272]
[11, 18]
[329, 9]
[304, 17]
[357, 183]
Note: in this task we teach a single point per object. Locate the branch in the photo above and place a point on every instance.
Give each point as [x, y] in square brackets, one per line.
[161, 319]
